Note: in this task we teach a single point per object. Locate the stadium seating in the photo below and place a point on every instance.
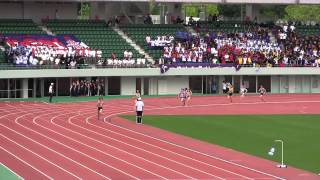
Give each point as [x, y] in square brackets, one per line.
[95, 34]
[308, 30]
[138, 33]
[2, 59]
[19, 26]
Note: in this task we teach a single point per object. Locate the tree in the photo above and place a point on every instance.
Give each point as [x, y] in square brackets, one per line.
[154, 8]
[85, 11]
[303, 12]
[195, 9]
[191, 10]
[212, 9]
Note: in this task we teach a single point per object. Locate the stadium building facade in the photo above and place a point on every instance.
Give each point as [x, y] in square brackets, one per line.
[124, 81]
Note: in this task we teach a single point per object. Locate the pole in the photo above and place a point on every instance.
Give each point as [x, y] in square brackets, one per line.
[282, 165]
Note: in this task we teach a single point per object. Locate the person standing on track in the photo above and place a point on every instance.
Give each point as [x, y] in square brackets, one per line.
[262, 92]
[243, 91]
[51, 92]
[139, 110]
[188, 96]
[224, 87]
[100, 106]
[182, 96]
[230, 92]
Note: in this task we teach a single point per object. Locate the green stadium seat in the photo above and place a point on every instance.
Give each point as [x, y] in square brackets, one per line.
[94, 33]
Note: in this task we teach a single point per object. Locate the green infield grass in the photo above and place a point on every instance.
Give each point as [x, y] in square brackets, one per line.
[253, 134]
[7, 174]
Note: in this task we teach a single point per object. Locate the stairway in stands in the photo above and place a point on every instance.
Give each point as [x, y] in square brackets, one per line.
[95, 33]
[134, 45]
[138, 33]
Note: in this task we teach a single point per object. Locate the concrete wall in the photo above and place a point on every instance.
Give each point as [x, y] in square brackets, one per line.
[153, 86]
[38, 10]
[128, 85]
[172, 85]
[315, 84]
[11, 10]
[295, 84]
[153, 72]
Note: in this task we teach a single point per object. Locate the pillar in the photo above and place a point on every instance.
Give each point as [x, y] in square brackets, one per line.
[106, 87]
[24, 91]
[56, 87]
[292, 84]
[221, 78]
[42, 87]
[34, 88]
[142, 86]
[249, 12]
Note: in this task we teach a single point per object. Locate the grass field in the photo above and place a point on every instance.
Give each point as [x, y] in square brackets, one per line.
[253, 134]
[7, 174]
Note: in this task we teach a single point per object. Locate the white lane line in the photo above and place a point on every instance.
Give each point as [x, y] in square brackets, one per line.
[82, 153]
[15, 156]
[69, 120]
[221, 104]
[153, 153]
[44, 145]
[23, 147]
[205, 105]
[12, 171]
[164, 149]
[47, 146]
[36, 142]
[107, 154]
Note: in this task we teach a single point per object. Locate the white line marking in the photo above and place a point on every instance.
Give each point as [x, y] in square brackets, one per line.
[143, 142]
[23, 147]
[155, 154]
[12, 171]
[26, 163]
[77, 152]
[205, 105]
[52, 122]
[46, 146]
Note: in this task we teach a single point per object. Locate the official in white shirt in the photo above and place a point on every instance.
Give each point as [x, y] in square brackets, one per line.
[51, 92]
[139, 110]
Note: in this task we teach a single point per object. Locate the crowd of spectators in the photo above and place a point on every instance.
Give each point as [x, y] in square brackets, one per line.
[87, 88]
[126, 61]
[159, 41]
[258, 46]
[298, 49]
[44, 55]
[47, 52]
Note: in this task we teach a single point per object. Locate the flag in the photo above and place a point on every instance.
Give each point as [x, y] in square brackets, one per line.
[237, 67]
[272, 151]
[164, 68]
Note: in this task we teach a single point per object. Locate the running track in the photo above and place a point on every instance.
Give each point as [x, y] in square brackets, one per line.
[65, 141]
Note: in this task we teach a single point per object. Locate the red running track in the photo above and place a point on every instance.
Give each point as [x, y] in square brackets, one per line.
[65, 141]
